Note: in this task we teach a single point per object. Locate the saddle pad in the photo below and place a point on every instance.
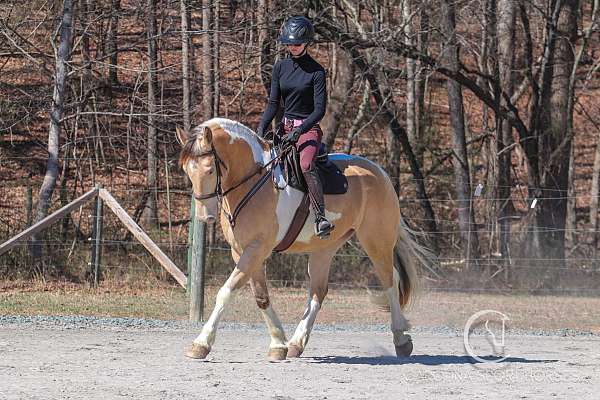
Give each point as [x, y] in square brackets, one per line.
[334, 181]
[295, 226]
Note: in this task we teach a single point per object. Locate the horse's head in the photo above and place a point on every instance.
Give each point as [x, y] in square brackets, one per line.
[199, 162]
[217, 155]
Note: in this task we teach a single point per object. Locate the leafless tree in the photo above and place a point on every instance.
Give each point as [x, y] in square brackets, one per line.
[151, 212]
[62, 55]
[460, 160]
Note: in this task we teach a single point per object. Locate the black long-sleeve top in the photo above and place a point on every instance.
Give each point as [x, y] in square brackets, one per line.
[301, 83]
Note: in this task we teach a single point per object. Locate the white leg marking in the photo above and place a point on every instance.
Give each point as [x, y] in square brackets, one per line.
[209, 330]
[399, 322]
[275, 328]
[305, 326]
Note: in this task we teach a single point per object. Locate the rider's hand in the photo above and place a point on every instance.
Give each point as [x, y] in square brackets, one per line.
[292, 137]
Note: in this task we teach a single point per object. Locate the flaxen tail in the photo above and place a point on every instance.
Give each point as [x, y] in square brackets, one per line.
[408, 254]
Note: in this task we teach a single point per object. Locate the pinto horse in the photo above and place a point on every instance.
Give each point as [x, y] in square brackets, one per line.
[224, 161]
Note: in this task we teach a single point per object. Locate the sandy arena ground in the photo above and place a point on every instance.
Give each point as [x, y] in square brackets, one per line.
[40, 361]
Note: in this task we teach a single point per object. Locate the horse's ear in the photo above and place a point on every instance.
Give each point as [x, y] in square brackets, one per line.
[207, 135]
[182, 135]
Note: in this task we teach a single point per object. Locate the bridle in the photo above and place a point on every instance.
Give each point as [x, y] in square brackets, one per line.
[220, 194]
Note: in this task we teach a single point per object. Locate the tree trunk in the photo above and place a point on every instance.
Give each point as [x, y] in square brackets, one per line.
[112, 48]
[411, 67]
[460, 160]
[151, 213]
[340, 92]
[387, 110]
[594, 193]
[571, 212]
[504, 138]
[421, 75]
[216, 56]
[572, 203]
[555, 145]
[355, 127]
[185, 69]
[264, 44]
[56, 113]
[207, 62]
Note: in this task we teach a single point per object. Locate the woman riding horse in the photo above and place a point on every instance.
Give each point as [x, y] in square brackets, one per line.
[300, 81]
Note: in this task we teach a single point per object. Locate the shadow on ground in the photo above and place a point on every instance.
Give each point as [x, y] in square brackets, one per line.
[417, 359]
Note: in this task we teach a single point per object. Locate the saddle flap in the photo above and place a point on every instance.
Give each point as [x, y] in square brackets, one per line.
[332, 178]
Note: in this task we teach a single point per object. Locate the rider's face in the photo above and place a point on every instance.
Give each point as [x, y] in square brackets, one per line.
[296, 49]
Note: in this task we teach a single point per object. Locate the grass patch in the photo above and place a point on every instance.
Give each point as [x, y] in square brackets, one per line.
[157, 300]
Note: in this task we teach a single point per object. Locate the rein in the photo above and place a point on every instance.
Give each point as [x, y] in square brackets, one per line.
[220, 194]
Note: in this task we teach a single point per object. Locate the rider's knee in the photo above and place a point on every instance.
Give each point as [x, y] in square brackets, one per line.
[306, 165]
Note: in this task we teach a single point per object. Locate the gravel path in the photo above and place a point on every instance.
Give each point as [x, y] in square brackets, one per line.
[107, 358]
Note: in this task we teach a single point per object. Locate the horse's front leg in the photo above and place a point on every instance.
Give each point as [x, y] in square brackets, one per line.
[318, 272]
[278, 346]
[251, 259]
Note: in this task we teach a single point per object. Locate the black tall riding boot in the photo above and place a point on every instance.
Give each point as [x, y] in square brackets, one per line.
[315, 192]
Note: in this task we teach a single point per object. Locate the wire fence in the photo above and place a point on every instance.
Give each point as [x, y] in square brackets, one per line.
[67, 247]
[67, 242]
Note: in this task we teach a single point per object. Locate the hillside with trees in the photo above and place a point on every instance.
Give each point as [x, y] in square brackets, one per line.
[484, 113]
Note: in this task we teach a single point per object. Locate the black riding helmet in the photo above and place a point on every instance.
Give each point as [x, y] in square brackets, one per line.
[297, 30]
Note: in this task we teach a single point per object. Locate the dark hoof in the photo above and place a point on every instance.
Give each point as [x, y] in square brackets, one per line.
[277, 354]
[405, 350]
[197, 351]
[294, 351]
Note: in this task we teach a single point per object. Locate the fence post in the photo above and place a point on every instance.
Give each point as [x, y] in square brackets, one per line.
[97, 240]
[196, 272]
[190, 242]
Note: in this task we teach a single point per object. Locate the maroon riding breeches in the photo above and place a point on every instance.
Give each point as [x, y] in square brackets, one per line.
[307, 145]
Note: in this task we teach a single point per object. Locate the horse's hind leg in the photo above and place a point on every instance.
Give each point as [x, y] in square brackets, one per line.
[318, 271]
[278, 347]
[380, 249]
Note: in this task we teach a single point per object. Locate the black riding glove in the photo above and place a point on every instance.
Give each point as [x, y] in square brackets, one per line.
[292, 137]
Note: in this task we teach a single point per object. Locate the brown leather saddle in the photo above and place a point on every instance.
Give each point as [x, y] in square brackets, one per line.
[332, 178]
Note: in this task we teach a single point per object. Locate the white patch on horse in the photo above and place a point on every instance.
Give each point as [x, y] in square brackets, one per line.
[305, 326]
[308, 230]
[288, 201]
[237, 130]
[275, 328]
[207, 336]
